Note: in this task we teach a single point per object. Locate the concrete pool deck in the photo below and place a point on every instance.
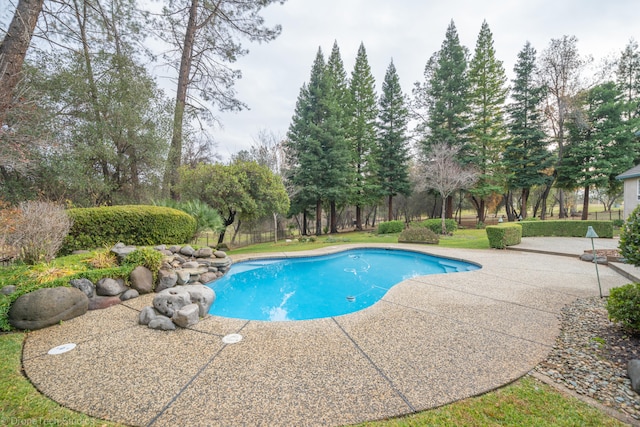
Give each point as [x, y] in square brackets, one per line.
[430, 341]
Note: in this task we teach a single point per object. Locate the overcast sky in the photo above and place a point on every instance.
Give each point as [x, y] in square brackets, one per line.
[409, 31]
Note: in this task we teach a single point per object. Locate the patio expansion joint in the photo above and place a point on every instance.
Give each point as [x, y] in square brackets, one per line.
[404, 398]
[195, 376]
[497, 299]
[462, 322]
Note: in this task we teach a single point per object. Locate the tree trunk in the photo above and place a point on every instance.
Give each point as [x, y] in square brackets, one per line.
[390, 214]
[562, 203]
[443, 213]
[171, 176]
[525, 198]
[304, 222]
[358, 218]
[333, 229]
[13, 50]
[275, 227]
[508, 205]
[449, 211]
[318, 217]
[585, 204]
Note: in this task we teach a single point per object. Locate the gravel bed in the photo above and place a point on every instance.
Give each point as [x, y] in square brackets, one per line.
[591, 354]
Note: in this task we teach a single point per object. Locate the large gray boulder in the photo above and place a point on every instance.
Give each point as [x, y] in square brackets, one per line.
[201, 295]
[162, 323]
[46, 307]
[141, 279]
[171, 300]
[108, 287]
[147, 315]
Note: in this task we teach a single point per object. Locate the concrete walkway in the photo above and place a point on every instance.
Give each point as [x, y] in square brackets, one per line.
[430, 341]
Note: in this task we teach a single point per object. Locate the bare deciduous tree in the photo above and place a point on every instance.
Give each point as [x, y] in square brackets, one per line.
[441, 171]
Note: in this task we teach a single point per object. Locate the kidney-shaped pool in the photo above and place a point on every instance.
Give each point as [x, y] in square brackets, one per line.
[279, 289]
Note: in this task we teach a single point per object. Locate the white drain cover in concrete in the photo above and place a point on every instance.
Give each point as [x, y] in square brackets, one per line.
[62, 348]
[232, 338]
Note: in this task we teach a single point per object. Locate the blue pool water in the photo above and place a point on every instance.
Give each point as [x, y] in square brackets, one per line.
[279, 289]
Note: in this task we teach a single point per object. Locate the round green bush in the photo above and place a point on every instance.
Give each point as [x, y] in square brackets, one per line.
[418, 235]
[435, 225]
[138, 225]
[630, 238]
[623, 306]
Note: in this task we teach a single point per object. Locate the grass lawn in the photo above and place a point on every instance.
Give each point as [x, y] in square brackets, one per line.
[526, 402]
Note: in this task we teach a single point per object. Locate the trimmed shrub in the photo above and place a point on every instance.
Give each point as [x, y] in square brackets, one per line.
[565, 228]
[418, 235]
[630, 238]
[623, 306]
[390, 227]
[131, 225]
[435, 225]
[501, 236]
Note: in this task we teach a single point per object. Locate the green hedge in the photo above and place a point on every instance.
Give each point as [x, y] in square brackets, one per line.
[565, 228]
[435, 225]
[131, 225]
[418, 235]
[501, 236]
[390, 227]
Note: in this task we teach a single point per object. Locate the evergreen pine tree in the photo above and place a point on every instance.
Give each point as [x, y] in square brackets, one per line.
[527, 160]
[628, 77]
[393, 151]
[487, 136]
[362, 135]
[335, 105]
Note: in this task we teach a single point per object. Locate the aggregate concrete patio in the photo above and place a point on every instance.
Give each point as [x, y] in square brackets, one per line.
[430, 341]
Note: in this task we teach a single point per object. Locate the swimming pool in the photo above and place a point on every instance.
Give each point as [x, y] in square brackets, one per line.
[281, 289]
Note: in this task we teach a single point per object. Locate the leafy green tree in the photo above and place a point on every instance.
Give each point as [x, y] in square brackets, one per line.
[393, 151]
[527, 160]
[362, 135]
[487, 135]
[243, 191]
[600, 142]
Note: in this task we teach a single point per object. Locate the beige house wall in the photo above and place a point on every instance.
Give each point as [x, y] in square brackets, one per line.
[630, 195]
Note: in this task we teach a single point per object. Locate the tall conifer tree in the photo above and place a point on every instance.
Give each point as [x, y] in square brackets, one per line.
[487, 136]
[362, 135]
[393, 151]
[526, 158]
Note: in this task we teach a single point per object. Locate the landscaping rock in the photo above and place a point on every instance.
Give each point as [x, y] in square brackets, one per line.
[204, 253]
[8, 290]
[187, 251]
[171, 300]
[167, 278]
[160, 248]
[147, 315]
[190, 264]
[101, 302]
[633, 369]
[122, 251]
[174, 249]
[186, 316]
[183, 277]
[129, 294]
[162, 323]
[85, 286]
[201, 295]
[589, 258]
[220, 254]
[47, 306]
[207, 277]
[108, 287]
[141, 279]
